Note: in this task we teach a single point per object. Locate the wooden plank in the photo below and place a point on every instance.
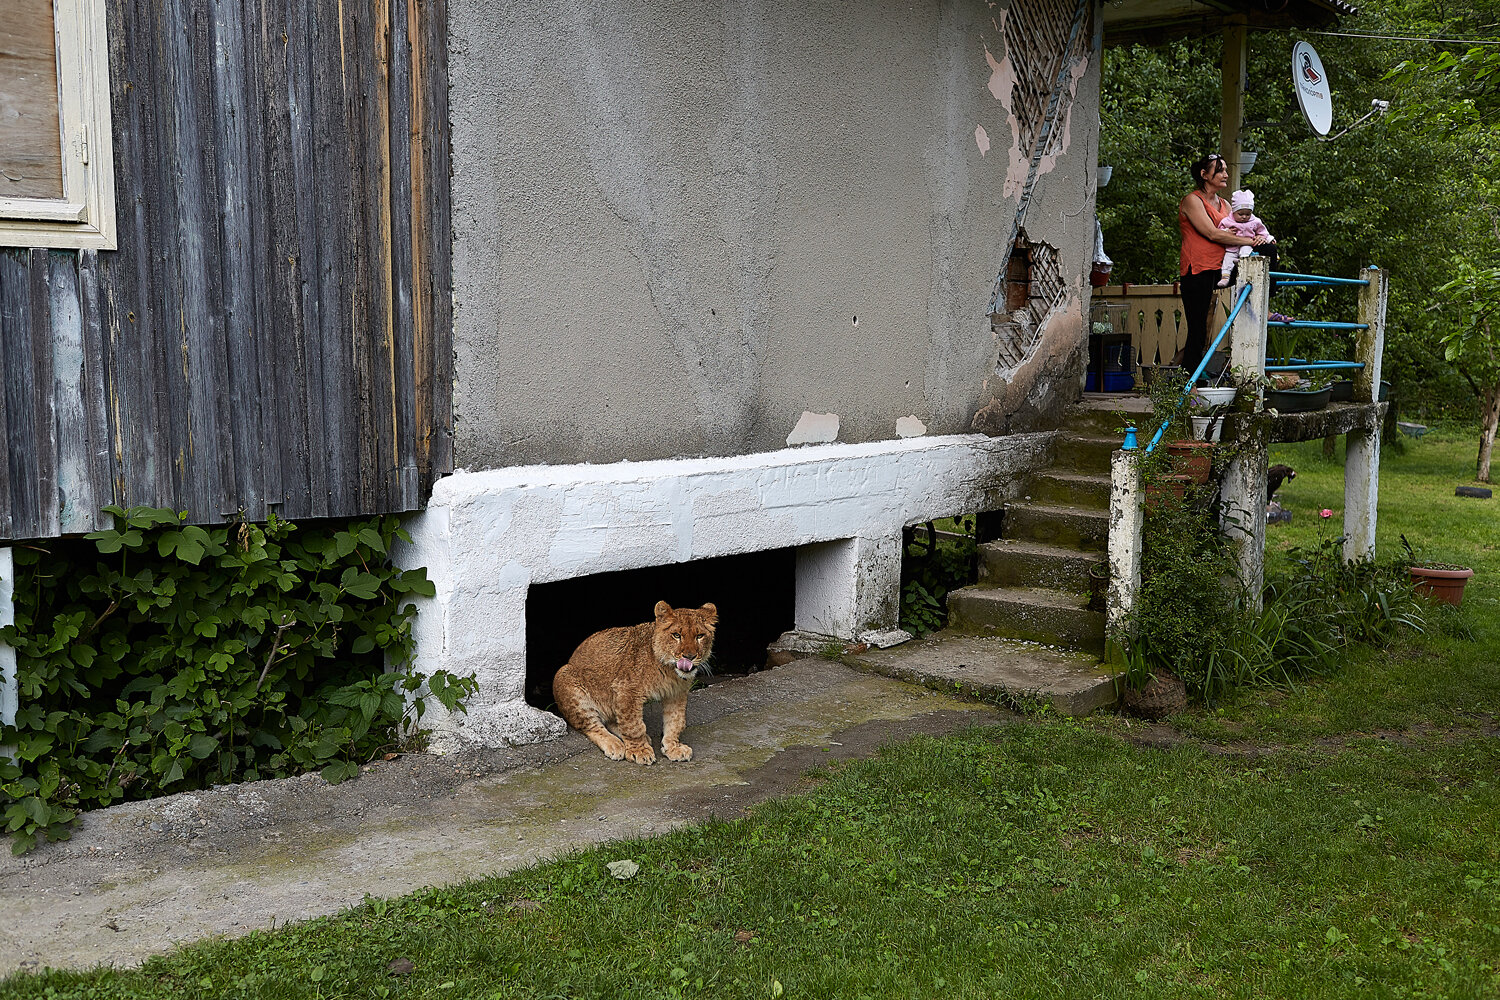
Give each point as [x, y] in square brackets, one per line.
[203, 474]
[300, 51]
[96, 415]
[367, 327]
[276, 225]
[76, 482]
[155, 433]
[338, 385]
[44, 424]
[30, 132]
[17, 309]
[14, 299]
[403, 380]
[438, 229]
[228, 117]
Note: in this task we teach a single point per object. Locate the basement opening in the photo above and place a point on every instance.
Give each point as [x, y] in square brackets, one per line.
[755, 594]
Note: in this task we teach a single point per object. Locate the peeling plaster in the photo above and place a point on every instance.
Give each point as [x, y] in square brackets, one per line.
[1079, 68]
[814, 428]
[981, 139]
[908, 427]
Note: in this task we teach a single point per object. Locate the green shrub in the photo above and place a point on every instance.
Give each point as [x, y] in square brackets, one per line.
[157, 657]
[932, 567]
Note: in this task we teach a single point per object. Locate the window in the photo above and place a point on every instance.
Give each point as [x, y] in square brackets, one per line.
[56, 161]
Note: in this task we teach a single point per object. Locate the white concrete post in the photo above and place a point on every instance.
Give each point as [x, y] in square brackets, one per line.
[10, 693]
[1247, 338]
[1242, 498]
[1126, 519]
[849, 586]
[1362, 447]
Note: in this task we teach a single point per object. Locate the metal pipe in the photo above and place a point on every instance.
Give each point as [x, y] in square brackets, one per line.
[1285, 278]
[1314, 365]
[1207, 356]
[1312, 324]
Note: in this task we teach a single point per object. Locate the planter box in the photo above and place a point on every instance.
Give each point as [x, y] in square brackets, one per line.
[1341, 391]
[1446, 585]
[1297, 400]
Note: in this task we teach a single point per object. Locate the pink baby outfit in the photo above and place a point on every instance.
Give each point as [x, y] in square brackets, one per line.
[1249, 230]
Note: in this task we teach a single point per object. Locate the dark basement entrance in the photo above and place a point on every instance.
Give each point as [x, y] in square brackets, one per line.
[755, 594]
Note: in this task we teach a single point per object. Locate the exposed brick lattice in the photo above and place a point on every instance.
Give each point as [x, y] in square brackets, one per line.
[1036, 38]
[1033, 290]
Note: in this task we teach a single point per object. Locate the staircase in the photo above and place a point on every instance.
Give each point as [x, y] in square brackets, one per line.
[1024, 632]
[1034, 579]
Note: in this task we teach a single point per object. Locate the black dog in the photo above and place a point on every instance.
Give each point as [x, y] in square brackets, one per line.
[1275, 476]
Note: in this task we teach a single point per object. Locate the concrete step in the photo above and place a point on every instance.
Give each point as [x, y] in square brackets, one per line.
[1104, 415]
[1038, 614]
[1065, 526]
[1087, 453]
[999, 670]
[1071, 489]
[1010, 562]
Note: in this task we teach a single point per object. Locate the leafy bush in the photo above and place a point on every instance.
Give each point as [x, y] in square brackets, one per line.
[1190, 603]
[156, 657]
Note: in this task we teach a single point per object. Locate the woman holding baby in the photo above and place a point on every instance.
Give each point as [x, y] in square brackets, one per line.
[1204, 243]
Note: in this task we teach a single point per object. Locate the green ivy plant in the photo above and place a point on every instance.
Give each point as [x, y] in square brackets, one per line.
[157, 656]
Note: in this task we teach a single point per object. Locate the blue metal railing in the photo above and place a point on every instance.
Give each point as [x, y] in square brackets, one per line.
[1316, 324]
[1202, 364]
[1312, 366]
[1278, 279]
[1287, 278]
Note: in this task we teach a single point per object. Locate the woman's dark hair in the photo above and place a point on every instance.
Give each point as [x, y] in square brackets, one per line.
[1202, 164]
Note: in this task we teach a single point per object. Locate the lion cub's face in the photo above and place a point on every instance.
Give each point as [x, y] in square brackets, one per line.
[683, 638]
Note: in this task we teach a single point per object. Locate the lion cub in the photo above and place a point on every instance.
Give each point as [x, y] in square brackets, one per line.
[612, 674]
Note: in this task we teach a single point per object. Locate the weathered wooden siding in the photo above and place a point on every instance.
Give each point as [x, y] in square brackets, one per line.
[274, 332]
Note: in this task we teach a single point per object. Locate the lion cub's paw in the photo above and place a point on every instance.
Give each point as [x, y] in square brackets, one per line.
[677, 751]
[613, 746]
[640, 755]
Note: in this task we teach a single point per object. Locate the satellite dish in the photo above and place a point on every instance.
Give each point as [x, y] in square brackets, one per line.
[1310, 81]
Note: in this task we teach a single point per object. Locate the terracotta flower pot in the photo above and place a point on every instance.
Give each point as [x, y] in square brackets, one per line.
[1193, 459]
[1444, 584]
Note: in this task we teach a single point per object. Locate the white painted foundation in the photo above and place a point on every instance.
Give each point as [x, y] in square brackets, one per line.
[486, 537]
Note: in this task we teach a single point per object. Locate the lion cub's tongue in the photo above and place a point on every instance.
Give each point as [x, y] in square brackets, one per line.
[684, 664]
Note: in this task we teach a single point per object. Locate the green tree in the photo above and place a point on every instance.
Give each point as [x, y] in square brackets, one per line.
[1408, 191]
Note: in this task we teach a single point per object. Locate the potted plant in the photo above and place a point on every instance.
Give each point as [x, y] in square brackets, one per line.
[1310, 392]
[1441, 581]
[1210, 402]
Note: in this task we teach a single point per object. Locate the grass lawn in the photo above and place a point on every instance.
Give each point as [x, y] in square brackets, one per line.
[1338, 840]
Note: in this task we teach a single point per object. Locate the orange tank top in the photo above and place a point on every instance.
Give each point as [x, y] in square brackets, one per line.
[1199, 254]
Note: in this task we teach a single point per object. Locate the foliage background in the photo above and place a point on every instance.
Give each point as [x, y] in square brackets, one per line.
[1411, 192]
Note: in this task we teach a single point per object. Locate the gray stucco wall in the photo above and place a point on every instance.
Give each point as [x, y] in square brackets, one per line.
[678, 226]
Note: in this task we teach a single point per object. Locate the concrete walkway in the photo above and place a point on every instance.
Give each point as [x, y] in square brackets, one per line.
[139, 878]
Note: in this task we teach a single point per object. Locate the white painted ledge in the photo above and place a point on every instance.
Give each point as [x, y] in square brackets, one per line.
[487, 537]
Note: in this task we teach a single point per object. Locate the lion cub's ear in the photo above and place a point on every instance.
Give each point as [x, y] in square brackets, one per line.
[663, 609]
[713, 612]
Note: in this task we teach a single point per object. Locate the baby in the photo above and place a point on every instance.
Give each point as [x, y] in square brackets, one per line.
[1242, 221]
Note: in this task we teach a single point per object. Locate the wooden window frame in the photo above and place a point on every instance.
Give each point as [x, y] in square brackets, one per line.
[84, 217]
